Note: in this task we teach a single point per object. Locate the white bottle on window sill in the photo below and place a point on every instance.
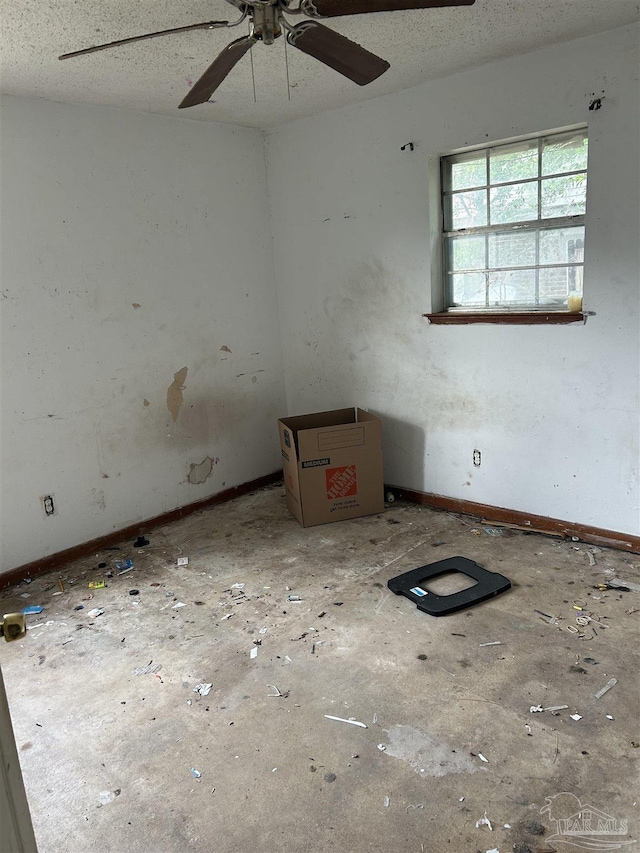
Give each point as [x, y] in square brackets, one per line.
[574, 303]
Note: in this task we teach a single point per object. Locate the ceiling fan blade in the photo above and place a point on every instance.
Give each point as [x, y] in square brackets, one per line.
[337, 51]
[217, 71]
[207, 25]
[333, 8]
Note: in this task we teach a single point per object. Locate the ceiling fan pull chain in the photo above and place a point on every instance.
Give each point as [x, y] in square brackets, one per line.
[253, 75]
[286, 63]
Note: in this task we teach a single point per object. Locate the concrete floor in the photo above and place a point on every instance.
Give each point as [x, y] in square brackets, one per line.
[107, 753]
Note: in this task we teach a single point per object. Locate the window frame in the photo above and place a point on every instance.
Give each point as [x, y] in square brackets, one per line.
[518, 312]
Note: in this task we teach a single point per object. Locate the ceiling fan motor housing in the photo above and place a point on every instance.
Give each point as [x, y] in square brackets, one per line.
[266, 23]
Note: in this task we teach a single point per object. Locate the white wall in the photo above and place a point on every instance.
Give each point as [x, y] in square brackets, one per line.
[553, 409]
[102, 209]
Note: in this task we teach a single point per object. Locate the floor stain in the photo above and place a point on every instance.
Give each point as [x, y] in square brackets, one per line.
[426, 754]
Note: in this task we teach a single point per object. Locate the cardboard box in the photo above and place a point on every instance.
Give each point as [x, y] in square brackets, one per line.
[332, 464]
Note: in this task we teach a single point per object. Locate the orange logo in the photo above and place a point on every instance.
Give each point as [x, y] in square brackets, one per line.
[341, 482]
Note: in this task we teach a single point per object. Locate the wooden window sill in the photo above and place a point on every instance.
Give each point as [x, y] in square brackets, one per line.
[453, 318]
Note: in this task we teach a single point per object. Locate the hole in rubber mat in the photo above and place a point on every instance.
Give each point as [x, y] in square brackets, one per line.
[448, 582]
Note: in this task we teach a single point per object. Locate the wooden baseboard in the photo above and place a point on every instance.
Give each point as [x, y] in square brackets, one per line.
[537, 523]
[52, 561]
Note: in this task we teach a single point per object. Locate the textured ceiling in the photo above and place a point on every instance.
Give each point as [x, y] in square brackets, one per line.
[155, 75]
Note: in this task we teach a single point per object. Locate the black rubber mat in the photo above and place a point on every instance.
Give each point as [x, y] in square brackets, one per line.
[410, 584]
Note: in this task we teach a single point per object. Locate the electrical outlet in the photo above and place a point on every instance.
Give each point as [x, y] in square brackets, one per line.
[48, 505]
[477, 458]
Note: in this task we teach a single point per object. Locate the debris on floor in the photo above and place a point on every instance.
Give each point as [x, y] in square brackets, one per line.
[97, 584]
[254, 652]
[107, 797]
[196, 773]
[150, 668]
[622, 585]
[575, 717]
[182, 561]
[178, 605]
[538, 709]
[552, 620]
[611, 683]
[484, 821]
[203, 689]
[141, 542]
[351, 720]
[123, 565]
[97, 611]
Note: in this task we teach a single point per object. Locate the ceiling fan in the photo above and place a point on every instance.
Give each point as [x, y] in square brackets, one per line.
[267, 23]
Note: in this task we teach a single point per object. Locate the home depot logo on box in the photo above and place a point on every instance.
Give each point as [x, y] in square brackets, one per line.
[341, 482]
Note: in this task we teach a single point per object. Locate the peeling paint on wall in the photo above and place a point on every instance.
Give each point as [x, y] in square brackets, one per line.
[136, 305]
[145, 402]
[174, 392]
[201, 471]
[224, 348]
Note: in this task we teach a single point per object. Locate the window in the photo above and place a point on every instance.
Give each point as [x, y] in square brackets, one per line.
[513, 218]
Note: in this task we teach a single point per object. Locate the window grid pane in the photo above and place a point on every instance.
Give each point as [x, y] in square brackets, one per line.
[513, 162]
[536, 180]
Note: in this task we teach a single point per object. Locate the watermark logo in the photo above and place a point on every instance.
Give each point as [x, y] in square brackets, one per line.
[584, 826]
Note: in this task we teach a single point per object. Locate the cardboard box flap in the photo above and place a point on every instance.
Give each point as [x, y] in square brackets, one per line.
[290, 471]
[287, 441]
[322, 442]
[320, 419]
[335, 439]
